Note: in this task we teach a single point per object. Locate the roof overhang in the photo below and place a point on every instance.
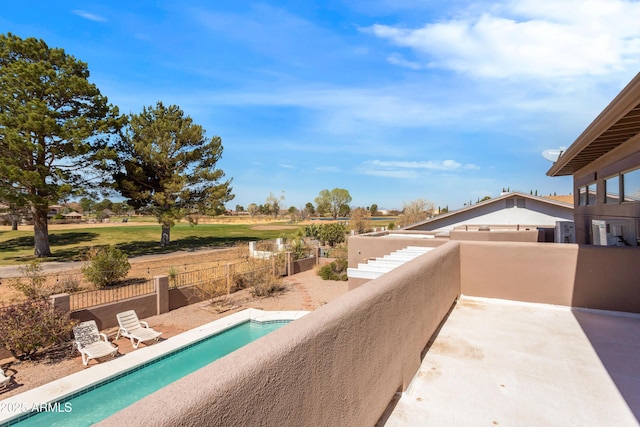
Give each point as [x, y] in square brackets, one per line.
[616, 124]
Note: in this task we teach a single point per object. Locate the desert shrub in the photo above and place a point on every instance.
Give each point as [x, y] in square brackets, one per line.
[33, 285]
[335, 270]
[69, 283]
[259, 278]
[391, 226]
[107, 266]
[266, 284]
[212, 288]
[312, 231]
[32, 325]
[299, 249]
[172, 274]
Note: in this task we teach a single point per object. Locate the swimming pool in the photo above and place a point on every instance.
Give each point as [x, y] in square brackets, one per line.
[105, 397]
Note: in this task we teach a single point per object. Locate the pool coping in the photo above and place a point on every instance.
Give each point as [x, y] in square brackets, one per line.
[23, 403]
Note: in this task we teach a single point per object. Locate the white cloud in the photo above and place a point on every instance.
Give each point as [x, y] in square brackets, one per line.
[285, 166]
[331, 169]
[89, 16]
[412, 169]
[533, 38]
[397, 59]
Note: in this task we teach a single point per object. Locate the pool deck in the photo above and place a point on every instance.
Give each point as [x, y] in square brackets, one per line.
[24, 402]
[502, 363]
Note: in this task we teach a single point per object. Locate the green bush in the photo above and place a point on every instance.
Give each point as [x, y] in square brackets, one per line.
[32, 325]
[333, 233]
[335, 270]
[107, 266]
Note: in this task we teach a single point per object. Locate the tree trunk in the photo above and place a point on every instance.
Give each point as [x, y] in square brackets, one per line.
[166, 235]
[41, 231]
[14, 224]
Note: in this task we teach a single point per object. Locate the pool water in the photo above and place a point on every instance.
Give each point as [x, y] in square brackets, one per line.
[107, 398]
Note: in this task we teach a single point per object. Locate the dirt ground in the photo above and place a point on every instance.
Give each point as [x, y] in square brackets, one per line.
[304, 291]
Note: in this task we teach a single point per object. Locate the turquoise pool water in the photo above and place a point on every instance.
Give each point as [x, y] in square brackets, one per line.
[100, 401]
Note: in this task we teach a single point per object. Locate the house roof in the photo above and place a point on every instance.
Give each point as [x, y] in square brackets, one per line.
[616, 124]
[504, 196]
[567, 198]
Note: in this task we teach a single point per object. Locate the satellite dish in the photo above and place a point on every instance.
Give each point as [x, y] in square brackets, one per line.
[553, 154]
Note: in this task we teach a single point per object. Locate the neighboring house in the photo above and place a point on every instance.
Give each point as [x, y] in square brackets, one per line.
[54, 210]
[510, 210]
[72, 215]
[605, 163]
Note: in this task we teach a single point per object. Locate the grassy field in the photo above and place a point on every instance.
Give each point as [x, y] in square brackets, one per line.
[139, 238]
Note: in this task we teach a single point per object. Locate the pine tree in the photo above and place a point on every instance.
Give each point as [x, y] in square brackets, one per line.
[54, 127]
[167, 165]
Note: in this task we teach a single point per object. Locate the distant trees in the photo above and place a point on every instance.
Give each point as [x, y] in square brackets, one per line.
[415, 211]
[252, 209]
[87, 205]
[360, 220]
[333, 201]
[373, 209]
[54, 128]
[166, 165]
[309, 209]
[273, 204]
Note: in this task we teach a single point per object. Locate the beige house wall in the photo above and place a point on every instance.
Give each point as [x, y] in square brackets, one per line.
[105, 315]
[604, 278]
[532, 235]
[529, 272]
[338, 366]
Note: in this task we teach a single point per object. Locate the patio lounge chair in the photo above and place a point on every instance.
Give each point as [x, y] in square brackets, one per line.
[137, 331]
[4, 379]
[91, 343]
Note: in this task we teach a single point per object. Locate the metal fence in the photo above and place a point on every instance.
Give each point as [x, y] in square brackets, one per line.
[225, 275]
[85, 299]
[196, 277]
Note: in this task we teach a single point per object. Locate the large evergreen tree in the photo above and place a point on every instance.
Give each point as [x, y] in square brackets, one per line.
[54, 125]
[167, 165]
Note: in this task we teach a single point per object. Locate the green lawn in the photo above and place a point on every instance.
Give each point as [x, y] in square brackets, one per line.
[16, 247]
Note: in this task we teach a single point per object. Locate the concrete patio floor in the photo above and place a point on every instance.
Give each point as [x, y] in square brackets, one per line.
[503, 363]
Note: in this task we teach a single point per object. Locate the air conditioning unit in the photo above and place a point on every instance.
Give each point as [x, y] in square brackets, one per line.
[565, 232]
[599, 232]
[609, 232]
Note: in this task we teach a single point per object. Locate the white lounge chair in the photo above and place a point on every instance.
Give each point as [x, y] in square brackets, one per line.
[4, 379]
[137, 331]
[91, 343]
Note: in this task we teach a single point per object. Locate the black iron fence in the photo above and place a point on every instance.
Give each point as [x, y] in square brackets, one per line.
[86, 299]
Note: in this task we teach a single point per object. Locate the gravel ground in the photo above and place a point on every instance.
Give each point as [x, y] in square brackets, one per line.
[303, 291]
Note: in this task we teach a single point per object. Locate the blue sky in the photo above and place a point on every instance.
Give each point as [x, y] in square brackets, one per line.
[393, 100]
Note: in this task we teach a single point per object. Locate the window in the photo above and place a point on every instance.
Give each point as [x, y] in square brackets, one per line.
[631, 186]
[591, 194]
[582, 200]
[612, 190]
[587, 195]
[515, 203]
